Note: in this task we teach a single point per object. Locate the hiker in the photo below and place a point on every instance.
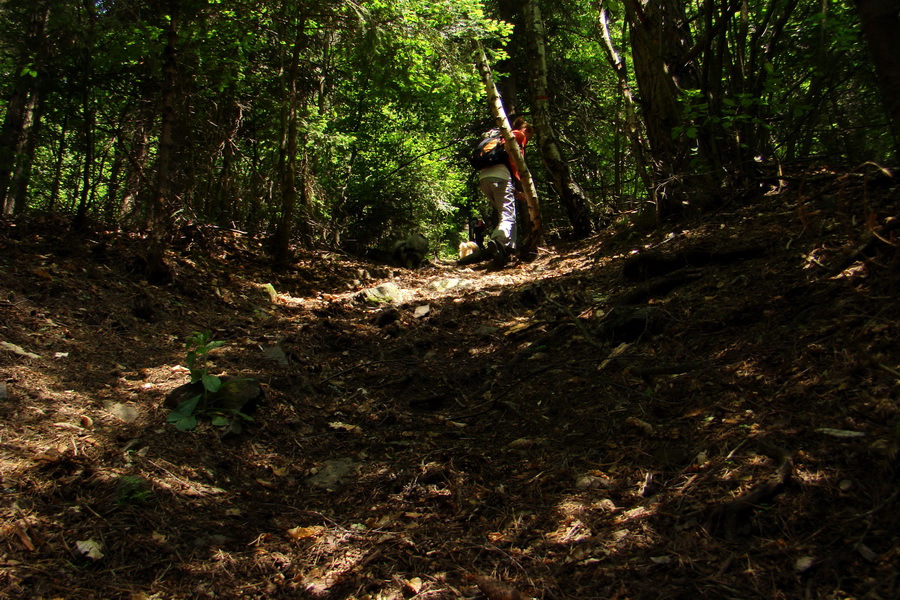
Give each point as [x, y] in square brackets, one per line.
[498, 183]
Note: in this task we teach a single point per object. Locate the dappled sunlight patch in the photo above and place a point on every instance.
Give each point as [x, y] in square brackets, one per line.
[569, 528]
[750, 369]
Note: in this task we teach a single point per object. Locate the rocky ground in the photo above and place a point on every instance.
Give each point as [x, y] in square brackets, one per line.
[708, 411]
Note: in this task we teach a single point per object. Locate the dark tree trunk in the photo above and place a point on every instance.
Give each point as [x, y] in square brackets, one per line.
[228, 195]
[18, 113]
[632, 130]
[60, 160]
[881, 26]
[159, 221]
[22, 176]
[11, 137]
[288, 159]
[134, 153]
[571, 195]
[659, 101]
[88, 117]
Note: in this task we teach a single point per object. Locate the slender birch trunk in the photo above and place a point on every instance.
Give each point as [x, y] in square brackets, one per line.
[535, 228]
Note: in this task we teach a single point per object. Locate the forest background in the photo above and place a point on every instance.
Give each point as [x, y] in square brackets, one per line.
[346, 124]
[689, 390]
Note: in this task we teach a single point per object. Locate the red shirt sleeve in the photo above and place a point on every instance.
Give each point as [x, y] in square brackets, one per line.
[520, 137]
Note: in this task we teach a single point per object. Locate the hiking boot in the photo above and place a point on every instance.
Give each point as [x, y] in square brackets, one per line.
[478, 256]
[499, 253]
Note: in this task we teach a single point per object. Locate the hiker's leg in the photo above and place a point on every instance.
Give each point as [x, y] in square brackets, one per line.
[502, 195]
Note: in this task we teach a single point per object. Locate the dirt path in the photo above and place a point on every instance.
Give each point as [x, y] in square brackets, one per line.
[715, 418]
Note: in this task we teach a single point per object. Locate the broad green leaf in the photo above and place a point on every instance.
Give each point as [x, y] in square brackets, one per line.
[186, 423]
[185, 409]
[211, 383]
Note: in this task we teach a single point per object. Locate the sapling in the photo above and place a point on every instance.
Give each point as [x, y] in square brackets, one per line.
[213, 398]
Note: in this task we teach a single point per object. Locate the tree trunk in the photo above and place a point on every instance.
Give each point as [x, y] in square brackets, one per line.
[11, 138]
[88, 118]
[510, 11]
[130, 211]
[535, 222]
[881, 26]
[631, 125]
[571, 195]
[159, 222]
[288, 159]
[659, 102]
[60, 159]
[18, 114]
[22, 176]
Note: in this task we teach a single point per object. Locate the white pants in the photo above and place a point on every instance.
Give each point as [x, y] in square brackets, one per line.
[502, 195]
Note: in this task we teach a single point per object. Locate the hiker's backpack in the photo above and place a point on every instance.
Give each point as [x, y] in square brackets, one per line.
[489, 151]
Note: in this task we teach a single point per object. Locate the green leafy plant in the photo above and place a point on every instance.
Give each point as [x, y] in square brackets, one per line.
[185, 415]
[133, 490]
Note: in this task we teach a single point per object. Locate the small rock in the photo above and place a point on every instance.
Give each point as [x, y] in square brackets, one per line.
[867, 553]
[445, 285]
[386, 293]
[522, 444]
[277, 354]
[591, 482]
[270, 290]
[123, 412]
[606, 505]
[333, 472]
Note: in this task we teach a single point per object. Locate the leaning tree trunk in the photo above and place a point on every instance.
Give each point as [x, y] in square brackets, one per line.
[571, 195]
[535, 225]
[881, 26]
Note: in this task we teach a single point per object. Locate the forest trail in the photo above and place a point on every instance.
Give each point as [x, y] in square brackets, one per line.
[707, 412]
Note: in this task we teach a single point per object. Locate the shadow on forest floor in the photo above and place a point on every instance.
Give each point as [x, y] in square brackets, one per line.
[714, 416]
